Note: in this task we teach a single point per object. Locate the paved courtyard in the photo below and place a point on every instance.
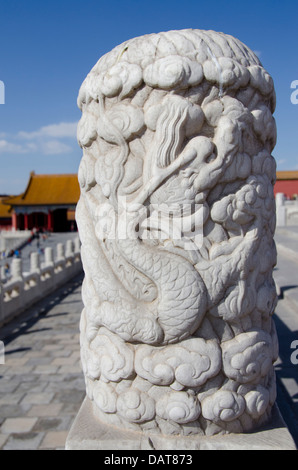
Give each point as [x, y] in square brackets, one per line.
[42, 385]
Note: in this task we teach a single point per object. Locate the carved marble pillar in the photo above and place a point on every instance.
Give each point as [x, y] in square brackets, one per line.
[177, 337]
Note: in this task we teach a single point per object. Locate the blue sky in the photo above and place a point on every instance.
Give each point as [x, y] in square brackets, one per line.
[48, 47]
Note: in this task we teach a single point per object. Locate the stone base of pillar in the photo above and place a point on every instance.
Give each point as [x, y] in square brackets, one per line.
[88, 433]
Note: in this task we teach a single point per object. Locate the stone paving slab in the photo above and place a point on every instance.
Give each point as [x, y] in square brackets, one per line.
[41, 383]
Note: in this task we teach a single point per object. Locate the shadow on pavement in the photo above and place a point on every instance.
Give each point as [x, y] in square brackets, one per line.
[285, 288]
[287, 371]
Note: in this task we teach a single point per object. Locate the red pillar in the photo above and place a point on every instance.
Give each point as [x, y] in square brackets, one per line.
[14, 221]
[26, 222]
[30, 222]
[50, 221]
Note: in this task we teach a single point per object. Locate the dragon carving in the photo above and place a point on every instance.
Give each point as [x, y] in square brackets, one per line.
[176, 219]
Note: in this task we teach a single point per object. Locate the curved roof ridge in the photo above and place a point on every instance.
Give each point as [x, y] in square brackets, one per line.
[48, 189]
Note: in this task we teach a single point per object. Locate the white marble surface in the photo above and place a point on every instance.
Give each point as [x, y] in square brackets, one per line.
[89, 433]
[177, 335]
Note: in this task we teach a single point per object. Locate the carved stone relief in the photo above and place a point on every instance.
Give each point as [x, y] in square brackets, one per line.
[177, 334]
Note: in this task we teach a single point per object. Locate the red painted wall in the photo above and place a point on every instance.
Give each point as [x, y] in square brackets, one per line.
[288, 187]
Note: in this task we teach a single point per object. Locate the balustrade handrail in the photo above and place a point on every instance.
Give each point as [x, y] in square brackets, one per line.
[22, 290]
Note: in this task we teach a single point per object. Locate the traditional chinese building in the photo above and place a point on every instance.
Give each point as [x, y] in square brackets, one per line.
[48, 203]
[5, 215]
[287, 183]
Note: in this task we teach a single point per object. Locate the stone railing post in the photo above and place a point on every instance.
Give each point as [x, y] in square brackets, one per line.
[281, 210]
[34, 262]
[2, 274]
[16, 269]
[77, 245]
[69, 248]
[60, 252]
[177, 338]
[49, 256]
